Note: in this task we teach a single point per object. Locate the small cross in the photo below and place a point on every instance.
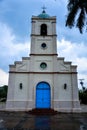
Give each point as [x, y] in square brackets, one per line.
[43, 8]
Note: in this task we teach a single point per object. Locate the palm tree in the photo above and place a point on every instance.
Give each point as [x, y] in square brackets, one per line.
[77, 14]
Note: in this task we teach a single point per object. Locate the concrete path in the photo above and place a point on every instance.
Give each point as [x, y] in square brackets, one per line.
[25, 121]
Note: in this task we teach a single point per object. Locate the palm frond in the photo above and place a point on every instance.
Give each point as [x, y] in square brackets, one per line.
[74, 6]
[71, 16]
[71, 3]
[85, 6]
[81, 21]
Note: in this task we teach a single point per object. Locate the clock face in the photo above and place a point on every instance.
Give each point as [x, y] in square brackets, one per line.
[43, 65]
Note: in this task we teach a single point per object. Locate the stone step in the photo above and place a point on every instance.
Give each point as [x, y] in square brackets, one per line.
[42, 111]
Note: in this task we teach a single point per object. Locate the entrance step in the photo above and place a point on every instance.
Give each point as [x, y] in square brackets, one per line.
[42, 111]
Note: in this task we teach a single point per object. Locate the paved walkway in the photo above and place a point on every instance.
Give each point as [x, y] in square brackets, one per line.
[25, 121]
[84, 108]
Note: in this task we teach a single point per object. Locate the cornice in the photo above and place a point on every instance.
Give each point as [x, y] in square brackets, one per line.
[32, 54]
[16, 72]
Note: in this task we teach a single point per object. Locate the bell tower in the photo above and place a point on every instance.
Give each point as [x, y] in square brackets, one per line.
[43, 34]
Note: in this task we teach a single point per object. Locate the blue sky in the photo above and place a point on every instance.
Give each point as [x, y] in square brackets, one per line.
[15, 29]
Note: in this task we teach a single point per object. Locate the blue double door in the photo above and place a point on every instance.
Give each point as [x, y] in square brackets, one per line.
[43, 97]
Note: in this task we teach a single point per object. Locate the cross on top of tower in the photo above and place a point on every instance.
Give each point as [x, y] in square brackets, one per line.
[43, 9]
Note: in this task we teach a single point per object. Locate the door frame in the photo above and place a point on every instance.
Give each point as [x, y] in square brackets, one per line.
[49, 97]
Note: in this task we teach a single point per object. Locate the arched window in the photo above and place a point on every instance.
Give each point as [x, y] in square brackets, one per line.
[43, 30]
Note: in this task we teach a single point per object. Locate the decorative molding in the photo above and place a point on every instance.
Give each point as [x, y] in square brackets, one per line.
[25, 58]
[18, 62]
[42, 72]
[43, 54]
[41, 19]
[22, 67]
[43, 36]
[63, 67]
[44, 40]
[33, 21]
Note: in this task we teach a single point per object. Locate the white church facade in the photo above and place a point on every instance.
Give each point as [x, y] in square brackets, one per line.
[43, 80]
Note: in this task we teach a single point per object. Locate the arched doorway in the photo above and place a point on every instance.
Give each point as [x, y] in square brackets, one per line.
[43, 95]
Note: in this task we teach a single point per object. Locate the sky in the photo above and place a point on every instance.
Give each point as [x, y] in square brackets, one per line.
[15, 30]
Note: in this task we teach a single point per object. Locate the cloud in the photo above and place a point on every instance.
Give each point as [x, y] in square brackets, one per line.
[10, 48]
[72, 51]
[77, 53]
[3, 78]
[8, 41]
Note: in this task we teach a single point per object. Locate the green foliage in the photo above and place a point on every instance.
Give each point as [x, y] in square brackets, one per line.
[83, 96]
[3, 93]
[77, 13]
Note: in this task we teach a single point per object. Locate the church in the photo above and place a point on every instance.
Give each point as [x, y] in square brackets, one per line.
[43, 80]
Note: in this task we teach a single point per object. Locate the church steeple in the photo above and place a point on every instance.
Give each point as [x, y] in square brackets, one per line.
[43, 31]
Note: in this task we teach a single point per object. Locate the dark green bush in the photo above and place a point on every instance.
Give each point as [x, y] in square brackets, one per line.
[3, 93]
[83, 96]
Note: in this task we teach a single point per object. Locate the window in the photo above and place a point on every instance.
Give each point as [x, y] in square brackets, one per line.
[65, 86]
[43, 30]
[20, 86]
[43, 65]
[43, 45]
